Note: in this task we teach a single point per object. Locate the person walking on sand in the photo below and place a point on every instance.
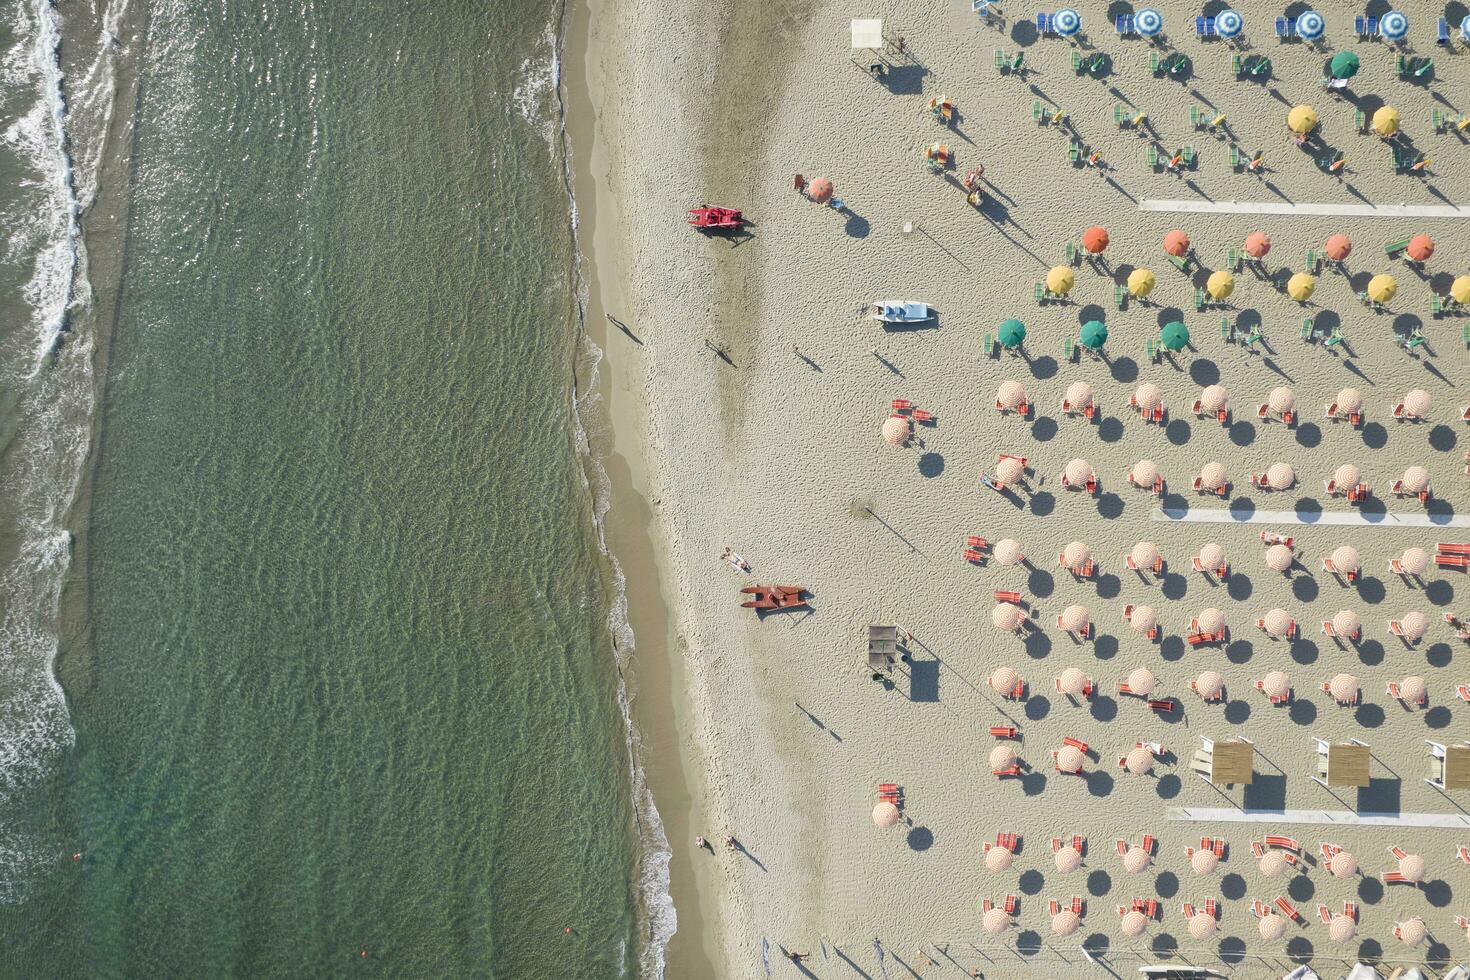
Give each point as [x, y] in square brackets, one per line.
[730, 843]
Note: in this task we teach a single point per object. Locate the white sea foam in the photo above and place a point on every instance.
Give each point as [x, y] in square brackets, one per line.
[536, 95]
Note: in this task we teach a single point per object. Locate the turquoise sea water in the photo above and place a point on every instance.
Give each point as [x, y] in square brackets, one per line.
[344, 678]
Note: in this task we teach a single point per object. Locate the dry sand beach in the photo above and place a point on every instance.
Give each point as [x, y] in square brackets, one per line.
[782, 733]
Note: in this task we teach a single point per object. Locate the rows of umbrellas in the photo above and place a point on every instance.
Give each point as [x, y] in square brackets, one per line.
[1309, 25]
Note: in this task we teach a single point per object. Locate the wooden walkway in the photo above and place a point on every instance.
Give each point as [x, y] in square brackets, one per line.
[1337, 818]
[1221, 515]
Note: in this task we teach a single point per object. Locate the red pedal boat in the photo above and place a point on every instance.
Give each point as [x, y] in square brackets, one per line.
[774, 596]
[715, 218]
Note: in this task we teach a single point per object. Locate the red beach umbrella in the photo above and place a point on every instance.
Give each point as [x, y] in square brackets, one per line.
[1176, 243]
[1257, 244]
[1337, 247]
[1421, 247]
[1095, 239]
[820, 190]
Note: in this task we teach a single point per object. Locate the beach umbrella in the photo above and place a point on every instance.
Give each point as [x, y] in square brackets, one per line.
[1003, 679]
[1002, 757]
[1079, 395]
[1415, 561]
[1140, 762]
[1416, 479]
[1460, 290]
[1346, 475]
[1412, 688]
[1176, 243]
[1465, 27]
[1212, 477]
[1272, 926]
[1175, 335]
[1421, 247]
[1141, 680]
[1273, 864]
[1310, 25]
[1095, 239]
[1417, 402]
[1277, 622]
[1078, 472]
[820, 190]
[1066, 22]
[1343, 865]
[1341, 929]
[1133, 923]
[1204, 861]
[1072, 682]
[1065, 922]
[1076, 554]
[1211, 555]
[1007, 616]
[1276, 684]
[1281, 476]
[1140, 283]
[1070, 759]
[896, 430]
[1411, 866]
[1144, 473]
[1012, 333]
[1386, 121]
[1008, 551]
[1345, 559]
[1010, 394]
[1349, 400]
[1202, 926]
[1301, 119]
[999, 859]
[1148, 22]
[1145, 554]
[1213, 398]
[1136, 860]
[996, 921]
[885, 814]
[1382, 287]
[1094, 334]
[1067, 858]
[1147, 396]
[1393, 25]
[1220, 284]
[1075, 619]
[1059, 280]
[1338, 247]
[1209, 684]
[1343, 687]
[1281, 400]
[1211, 620]
[1257, 244]
[1299, 287]
[1412, 932]
[1279, 558]
[1229, 24]
[1346, 622]
[1414, 624]
[1344, 64]
[1010, 470]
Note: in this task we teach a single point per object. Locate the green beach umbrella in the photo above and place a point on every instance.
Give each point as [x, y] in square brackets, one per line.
[1175, 336]
[1344, 64]
[1012, 332]
[1094, 334]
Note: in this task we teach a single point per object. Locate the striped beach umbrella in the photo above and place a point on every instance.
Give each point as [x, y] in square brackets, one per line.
[1229, 24]
[1310, 26]
[1067, 22]
[1393, 25]
[1465, 28]
[1149, 22]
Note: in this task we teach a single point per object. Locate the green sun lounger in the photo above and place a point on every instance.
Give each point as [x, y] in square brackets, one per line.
[1394, 248]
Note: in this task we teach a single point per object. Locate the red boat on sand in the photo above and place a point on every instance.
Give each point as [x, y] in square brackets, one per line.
[774, 596]
[717, 219]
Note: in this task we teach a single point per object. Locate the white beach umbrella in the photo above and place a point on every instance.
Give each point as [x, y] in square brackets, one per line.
[1003, 679]
[1067, 858]
[1276, 684]
[1279, 558]
[1010, 394]
[1412, 932]
[1281, 476]
[1273, 864]
[1144, 473]
[1010, 471]
[1278, 622]
[1212, 476]
[1271, 927]
[1140, 761]
[1343, 865]
[1079, 395]
[1346, 476]
[1415, 624]
[1209, 684]
[1204, 861]
[885, 814]
[1349, 400]
[1007, 616]
[1345, 559]
[1214, 398]
[1346, 622]
[1415, 561]
[1079, 471]
[1202, 926]
[1076, 554]
[996, 921]
[896, 430]
[1008, 551]
[1133, 923]
[1075, 619]
[1343, 687]
[1145, 554]
[1211, 556]
[1211, 620]
[1065, 922]
[1072, 681]
[1147, 396]
[1003, 756]
[1281, 400]
[1070, 759]
[1141, 681]
[1416, 478]
[1143, 619]
[1136, 860]
[1413, 688]
[1411, 866]
[999, 859]
[1342, 929]
[1417, 402]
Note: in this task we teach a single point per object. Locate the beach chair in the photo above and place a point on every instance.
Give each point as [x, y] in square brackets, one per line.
[1044, 24]
[1012, 597]
[1204, 26]
[1011, 904]
[1452, 561]
[1285, 28]
[1394, 878]
[1006, 772]
[1162, 706]
[1463, 853]
[1003, 731]
[1442, 32]
[1287, 909]
[1462, 692]
[1077, 744]
[1365, 27]
[1123, 24]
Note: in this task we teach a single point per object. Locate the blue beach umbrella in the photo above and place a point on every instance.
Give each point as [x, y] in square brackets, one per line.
[1229, 24]
[1393, 25]
[1310, 25]
[1465, 28]
[1149, 21]
[1067, 22]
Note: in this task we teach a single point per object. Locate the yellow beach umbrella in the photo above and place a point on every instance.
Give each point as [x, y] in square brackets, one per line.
[1059, 280]
[1382, 287]
[1299, 287]
[1302, 119]
[1141, 283]
[1220, 284]
[1386, 121]
[1460, 290]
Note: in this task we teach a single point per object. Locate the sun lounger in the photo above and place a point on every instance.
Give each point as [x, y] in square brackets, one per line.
[1394, 878]
[1287, 909]
[1077, 744]
[1164, 706]
[1286, 843]
[1008, 771]
[1010, 841]
[1452, 561]
[1011, 597]
[902, 404]
[1462, 692]
[1463, 853]
[1011, 904]
[1003, 731]
[1445, 548]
